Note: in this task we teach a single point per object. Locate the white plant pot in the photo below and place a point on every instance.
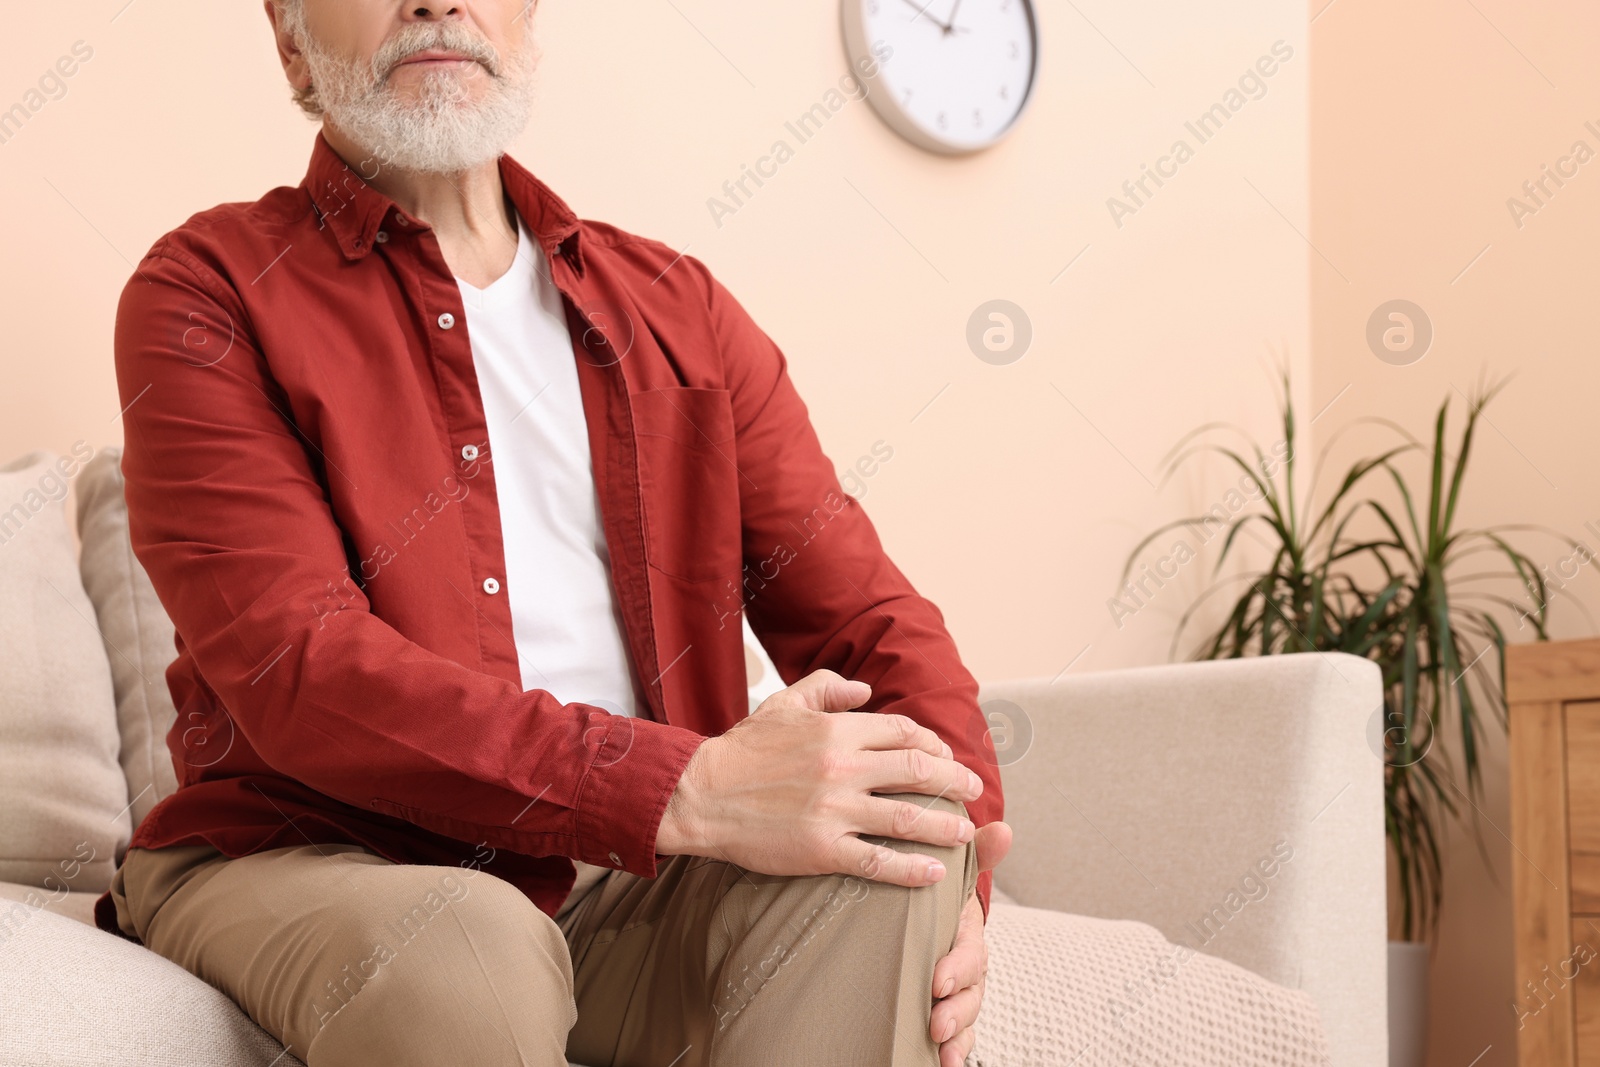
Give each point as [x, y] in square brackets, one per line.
[1408, 1003]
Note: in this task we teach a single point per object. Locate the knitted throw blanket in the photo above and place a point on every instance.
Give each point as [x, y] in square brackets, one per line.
[1073, 991]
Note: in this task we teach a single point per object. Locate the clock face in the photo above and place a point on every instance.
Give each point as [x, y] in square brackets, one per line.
[952, 75]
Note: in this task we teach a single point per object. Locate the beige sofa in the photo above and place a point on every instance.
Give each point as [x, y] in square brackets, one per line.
[1230, 808]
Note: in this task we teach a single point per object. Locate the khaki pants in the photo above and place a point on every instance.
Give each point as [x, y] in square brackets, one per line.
[349, 959]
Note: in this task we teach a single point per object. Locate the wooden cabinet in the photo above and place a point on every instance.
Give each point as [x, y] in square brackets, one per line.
[1583, 804]
[1553, 691]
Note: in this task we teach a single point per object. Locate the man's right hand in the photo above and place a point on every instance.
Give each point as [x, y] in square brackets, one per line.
[787, 790]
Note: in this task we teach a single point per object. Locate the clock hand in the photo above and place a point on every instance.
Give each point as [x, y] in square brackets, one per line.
[950, 24]
[922, 9]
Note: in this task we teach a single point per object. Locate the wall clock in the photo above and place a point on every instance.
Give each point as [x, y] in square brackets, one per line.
[953, 75]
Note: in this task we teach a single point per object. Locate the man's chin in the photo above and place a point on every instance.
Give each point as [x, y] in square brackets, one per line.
[429, 132]
[421, 156]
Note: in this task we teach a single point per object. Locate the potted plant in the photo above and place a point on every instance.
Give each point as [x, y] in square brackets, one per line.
[1396, 581]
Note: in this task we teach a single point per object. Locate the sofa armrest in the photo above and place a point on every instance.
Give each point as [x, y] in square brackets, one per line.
[1236, 806]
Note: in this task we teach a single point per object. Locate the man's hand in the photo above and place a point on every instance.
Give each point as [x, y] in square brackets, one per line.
[787, 790]
[958, 978]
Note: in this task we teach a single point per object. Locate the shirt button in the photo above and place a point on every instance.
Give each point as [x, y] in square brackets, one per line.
[469, 451]
[446, 321]
[383, 236]
[491, 586]
[402, 220]
[614, 858]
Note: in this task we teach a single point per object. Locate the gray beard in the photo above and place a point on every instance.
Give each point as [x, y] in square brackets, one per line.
[442, 131]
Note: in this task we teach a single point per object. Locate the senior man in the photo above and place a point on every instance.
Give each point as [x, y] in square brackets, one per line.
[455, 500]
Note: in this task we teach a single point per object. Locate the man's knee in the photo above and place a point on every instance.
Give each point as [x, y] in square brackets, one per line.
[864, 951]
[959, 860]
[927, 803]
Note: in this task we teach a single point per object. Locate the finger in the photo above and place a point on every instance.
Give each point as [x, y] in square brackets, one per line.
[825, 690]
[993, 842]
[955, 1013]
[954, 1053]
[880, 863]
[964, 964]
[909, 821]
[915, 771]
[878, 732]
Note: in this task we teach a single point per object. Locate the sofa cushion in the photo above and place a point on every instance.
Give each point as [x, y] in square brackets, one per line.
[75, 995]
[79, 906]
[63, 797]
[137, 632]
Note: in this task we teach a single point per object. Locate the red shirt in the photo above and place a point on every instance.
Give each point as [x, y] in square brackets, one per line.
[311, 490]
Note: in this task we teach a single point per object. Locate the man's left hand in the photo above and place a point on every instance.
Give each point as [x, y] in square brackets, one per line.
[958, 978]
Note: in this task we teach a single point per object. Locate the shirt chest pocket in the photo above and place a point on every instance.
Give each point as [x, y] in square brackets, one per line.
[689, 481]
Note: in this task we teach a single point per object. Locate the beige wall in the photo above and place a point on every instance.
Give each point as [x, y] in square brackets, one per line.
[1427, 116]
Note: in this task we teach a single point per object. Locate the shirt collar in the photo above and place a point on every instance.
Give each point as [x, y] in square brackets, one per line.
[353, 212]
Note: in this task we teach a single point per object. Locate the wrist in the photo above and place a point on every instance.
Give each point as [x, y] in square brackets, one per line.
[683, 828]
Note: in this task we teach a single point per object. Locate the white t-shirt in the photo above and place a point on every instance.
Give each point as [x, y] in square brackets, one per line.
[564, 616]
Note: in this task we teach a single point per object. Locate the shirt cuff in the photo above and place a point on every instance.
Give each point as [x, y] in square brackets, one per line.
[634, 768]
